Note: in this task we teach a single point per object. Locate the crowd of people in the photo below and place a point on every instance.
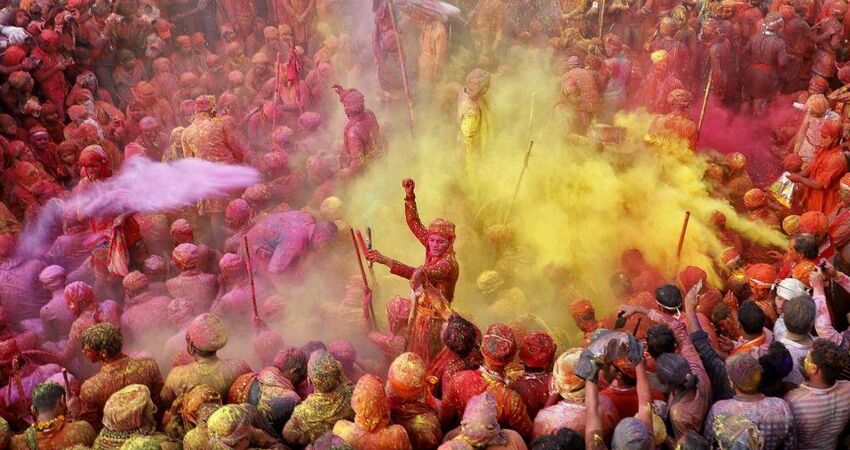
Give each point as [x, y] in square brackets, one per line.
[115, 327]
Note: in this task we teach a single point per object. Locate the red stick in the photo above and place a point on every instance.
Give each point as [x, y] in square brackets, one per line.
[682, 234]
[251, 276]
[359, 261]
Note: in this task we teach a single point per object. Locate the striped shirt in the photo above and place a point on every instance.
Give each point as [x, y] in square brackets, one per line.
[771, 415]
[819, 414]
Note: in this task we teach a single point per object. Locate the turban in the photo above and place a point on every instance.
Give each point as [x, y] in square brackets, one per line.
[125, 410]
[790, 288]
[843, 73]
[832, 129]
[140, 443]
[398, 312]
[443, 228]
[490, 281]
[52, 275]
[231, 264]
[260, 58]
[310, 120]
[736, 161]
[407, 376]
[718, 219]
[582, 309]
[79, 293]
[537, 350]
[180, 309]
[283, 135]
[135, 281]
[480, 424]
[680, 98]
[161, 64]
[19, 79]
[761, 274]
[275, 162]
[744, 372]
[659, 56]
[323, 371]
[188, 79]
[632, 434]
[564, 380]
[257, 194]
[754, 198]
[195, 398]
[198, 38]
[330, 208]
[266, 344]
[343, 351]
[205, 103]
[183, 40]
[736, 433]
[574, 61]
[235, 48]
[38, 130]
[270, 33]
[477, 82]
[77, 112]
[237, 212]
[772, 20]
[791, 224]
[154, 265]
[14, 55]
[844, 183]
[350, 98]
[181, 230]
[792, 162]
[148, 123]
[817, 104]
[206, 333]
[714, 172]
[144, 89]
[813, 222]
[186, 256]
[229, 427]
[802, 271]
[93, 155]
[690, 276]
[162, 29]
[370, 405]
[134, 149]
[48, 36]
[498, 345]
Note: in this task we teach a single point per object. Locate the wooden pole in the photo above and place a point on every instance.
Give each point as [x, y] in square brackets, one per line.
[601, 17]
[704, 105]
[404, 80]
[682, 234]
[251, 276]
[519, 182]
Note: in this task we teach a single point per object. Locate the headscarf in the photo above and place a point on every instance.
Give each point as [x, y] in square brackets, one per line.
[490, 281]
[744, 372]
[736, 433]
[802, 271]
[690, 276]
[195, 398]
[659, 56]
[477, 82]
[736, 161]
[186, 256]
[323, 371]
[52, 276]
[406, 377]
[343, 352]
[229, 427]
[206, 333]
[179, 310]
[141, 443]
[680, 98]
[80, 294]
[790, 288]
[582, 308]
[632, 434]
[351, 99]
[181, 231]
[791, 224]
[537, 350]
[480, 425]
[754, 198]
[369, 402]
[398, 312]
[127, 409]
[238, 211]
[498, 345]
[231, 265]
[564, 380]
[762, 275]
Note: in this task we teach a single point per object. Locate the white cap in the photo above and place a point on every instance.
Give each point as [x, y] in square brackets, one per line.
[790, 288]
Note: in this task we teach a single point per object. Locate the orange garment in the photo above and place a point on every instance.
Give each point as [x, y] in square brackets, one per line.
[826, 168]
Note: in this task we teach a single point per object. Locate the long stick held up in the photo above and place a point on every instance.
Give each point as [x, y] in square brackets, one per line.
[519, 181]
[704, 104]
[251, 276]
[404, 80]
[682, 234]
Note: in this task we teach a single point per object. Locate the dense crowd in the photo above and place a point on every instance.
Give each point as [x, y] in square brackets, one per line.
[112, 319]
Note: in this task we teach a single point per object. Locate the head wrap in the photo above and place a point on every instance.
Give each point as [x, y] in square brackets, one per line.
[231, 264]
[736, 433]
[442, 227]
[205, 103]
[330, 208]
[79, 293]
[537, 350]
[813, 222]
[564, 380]
[186, 256]
[802, 271]
[736, 161]
[139, 443]
[817, 104]
[832, 129]
[790, 288]
[773, 20]
[238, 211]
[229, 427]
[406, 377]
[310, 120]
[398, 312]
[206, 333]
[181, 231]
[323, 371]
[266, 344]
[343, 352]
[791, 224]
[135, 281]
[369, 402]
[582, 308]
[49, 36]
[659, 56]
[52, 276]
[19, 79]
[153, 265]
[490, 282]
[761, 274]
[632, 434]
[680, 98]
[180, 309]
[148, 123]
[350, 98]
[14, 55]
[283, 135]
[498, 345]
[257, 195]
[38, 130]
[77, 112]
[690, 276]
[183, 40]
[126, 409]
[754, 198]
[93, 155]
[744, 372]
[477, 82]
[195, 398]
[480, 424]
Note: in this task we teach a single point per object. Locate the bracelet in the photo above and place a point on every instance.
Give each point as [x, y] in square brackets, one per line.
[410, 198]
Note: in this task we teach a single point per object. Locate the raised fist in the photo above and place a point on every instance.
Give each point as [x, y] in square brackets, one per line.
[408, 185]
